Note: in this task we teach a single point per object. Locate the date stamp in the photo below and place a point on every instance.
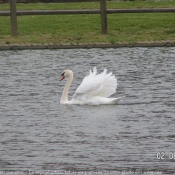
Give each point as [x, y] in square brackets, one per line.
[165, 155]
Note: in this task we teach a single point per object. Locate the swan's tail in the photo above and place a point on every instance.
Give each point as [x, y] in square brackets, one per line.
[116, 100]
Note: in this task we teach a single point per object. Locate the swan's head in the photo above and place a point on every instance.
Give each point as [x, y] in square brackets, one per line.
[66, 74]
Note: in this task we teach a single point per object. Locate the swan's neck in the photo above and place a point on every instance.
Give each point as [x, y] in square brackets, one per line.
[64, 97]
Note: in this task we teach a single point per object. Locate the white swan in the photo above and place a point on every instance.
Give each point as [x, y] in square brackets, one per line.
[94, 89]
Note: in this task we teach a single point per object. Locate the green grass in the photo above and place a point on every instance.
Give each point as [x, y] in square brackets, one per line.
[92, 5]
[77, 29]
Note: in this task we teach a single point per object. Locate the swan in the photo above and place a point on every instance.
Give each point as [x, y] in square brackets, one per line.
[94, 89]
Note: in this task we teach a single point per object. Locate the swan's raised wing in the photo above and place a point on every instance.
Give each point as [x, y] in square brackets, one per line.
[103, 85]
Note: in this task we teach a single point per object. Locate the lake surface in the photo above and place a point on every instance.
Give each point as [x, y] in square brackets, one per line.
[38, 134]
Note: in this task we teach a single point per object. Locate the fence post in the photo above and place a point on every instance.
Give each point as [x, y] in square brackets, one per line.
[103, 16]
[13, 18]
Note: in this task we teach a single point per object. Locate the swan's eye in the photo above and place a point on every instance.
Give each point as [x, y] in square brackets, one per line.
[63, 74]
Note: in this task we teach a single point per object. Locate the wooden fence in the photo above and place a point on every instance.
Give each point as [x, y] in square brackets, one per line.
[103, 11]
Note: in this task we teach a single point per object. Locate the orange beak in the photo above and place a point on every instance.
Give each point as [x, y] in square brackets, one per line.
[62, 77]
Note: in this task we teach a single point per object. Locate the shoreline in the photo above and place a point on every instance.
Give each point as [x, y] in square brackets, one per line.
[82, 46]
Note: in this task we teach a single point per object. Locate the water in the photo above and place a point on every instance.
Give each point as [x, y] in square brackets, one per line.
[39, 134]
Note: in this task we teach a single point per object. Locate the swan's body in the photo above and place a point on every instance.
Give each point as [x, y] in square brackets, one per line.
[94, 89]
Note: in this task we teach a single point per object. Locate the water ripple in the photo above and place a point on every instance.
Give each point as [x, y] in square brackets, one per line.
[37, 133]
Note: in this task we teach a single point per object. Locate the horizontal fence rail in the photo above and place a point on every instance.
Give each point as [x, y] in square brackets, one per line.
[95, 11]
[143, 10]
[51, 12]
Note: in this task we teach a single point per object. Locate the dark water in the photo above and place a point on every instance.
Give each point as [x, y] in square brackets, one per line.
[37, 134]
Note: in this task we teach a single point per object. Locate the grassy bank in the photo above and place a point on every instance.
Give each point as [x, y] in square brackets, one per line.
[77, 29]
